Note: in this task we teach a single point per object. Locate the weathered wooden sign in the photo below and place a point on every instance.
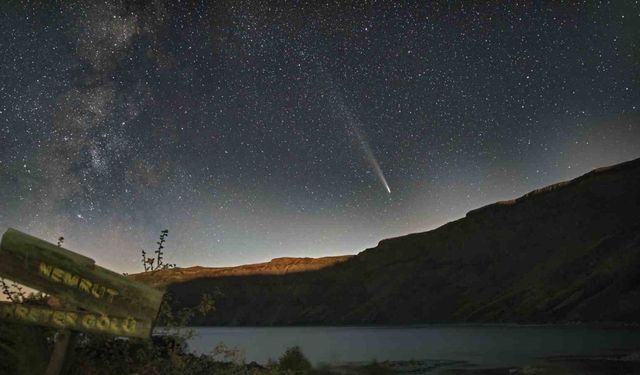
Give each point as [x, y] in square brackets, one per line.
[74, 320]
[114, 303]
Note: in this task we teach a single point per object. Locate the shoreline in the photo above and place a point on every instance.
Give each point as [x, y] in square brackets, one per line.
[627, 361]
[608, 325]
[467, 346]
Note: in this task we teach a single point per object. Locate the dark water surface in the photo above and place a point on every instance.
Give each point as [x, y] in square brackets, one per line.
[484, 345]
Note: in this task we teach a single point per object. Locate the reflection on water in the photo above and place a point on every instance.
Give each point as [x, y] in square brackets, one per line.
[486, 345]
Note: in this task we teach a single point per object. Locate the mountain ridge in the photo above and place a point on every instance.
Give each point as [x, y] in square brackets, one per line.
[276, 266]
[566, 252]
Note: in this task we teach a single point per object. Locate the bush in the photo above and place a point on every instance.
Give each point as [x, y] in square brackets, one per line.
[164, 355]
[294, 361]
[24, 350]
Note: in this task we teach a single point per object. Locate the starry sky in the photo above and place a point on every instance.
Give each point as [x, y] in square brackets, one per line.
[253, 130]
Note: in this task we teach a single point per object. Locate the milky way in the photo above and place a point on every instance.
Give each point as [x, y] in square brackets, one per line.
[252, 130]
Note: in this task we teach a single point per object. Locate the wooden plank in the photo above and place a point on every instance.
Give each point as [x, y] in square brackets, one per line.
[74, 278]
[63, 344]
[82, 321]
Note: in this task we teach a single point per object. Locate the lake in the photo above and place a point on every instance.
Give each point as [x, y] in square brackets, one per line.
[483, 345]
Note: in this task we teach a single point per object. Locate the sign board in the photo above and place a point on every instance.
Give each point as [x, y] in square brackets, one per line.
[74, 320]
[76, 280]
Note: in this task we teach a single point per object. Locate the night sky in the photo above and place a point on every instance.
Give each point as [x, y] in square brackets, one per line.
[253, 130]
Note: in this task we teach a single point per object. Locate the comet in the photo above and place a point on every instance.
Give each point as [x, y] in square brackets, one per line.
[354, 127]
[371, 158]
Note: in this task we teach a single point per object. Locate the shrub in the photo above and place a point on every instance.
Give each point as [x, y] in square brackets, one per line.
[294, 361]
[24, 350]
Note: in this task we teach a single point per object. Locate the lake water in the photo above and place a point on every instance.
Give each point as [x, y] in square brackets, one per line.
[484, 345]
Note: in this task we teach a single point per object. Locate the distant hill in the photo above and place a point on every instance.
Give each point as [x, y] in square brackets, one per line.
[277, 266]
[568, 252]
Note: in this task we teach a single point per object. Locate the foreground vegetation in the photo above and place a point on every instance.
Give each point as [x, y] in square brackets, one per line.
[25, 351]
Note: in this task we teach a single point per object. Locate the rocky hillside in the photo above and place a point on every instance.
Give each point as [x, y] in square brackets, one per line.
[277, 266]
[567, 252]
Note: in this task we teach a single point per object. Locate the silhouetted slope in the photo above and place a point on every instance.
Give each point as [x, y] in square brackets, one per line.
[568, 252]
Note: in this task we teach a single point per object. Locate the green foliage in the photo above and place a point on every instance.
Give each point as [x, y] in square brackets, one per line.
[207, 304]
[166, 355]
[157, 262]
[24, 350]
[13, 292]
[293, 361]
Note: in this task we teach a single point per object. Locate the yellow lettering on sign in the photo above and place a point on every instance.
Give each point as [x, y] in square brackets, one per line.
[58, 318]
[61, 276]
[70, 279]
[46, 314]
[82, 321]
[21, 312]
[103, 323]
[34, 315]
[89, 321]
[129, 325]
[85, 285]
[112, 293]
[57, 274]
[98, 290]
[45, 269]
[113, 327]
[71, 318]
